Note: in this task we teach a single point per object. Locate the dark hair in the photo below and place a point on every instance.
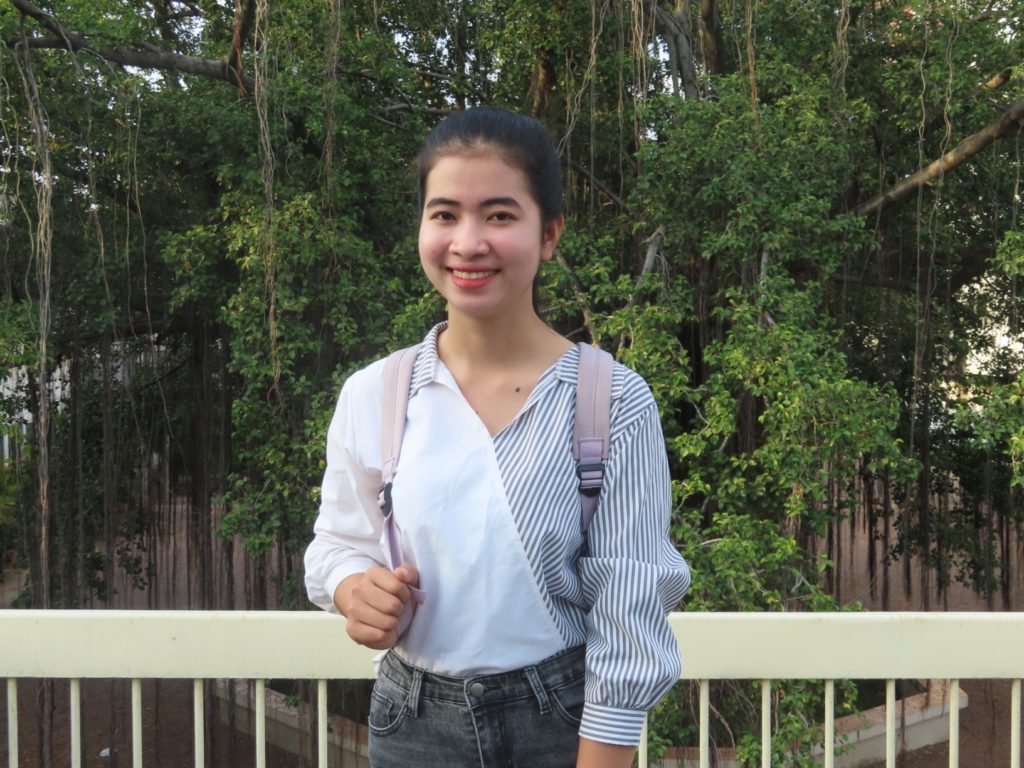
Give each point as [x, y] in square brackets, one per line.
[522, 140]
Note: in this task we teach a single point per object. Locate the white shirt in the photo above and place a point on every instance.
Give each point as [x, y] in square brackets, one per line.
[493, 527]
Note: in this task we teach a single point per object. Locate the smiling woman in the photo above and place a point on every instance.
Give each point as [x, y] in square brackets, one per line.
[482, 238]
[567, 647]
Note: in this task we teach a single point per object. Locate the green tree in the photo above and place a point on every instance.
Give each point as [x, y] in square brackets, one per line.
[800, 222]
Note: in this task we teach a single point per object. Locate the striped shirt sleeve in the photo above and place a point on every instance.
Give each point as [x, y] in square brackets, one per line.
[632, 577]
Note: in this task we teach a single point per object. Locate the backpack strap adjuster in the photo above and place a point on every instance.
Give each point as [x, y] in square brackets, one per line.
[591, 478]
[384, 500]
[591, 428]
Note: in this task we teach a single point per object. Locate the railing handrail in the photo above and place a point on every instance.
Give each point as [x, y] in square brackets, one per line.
[314, 645]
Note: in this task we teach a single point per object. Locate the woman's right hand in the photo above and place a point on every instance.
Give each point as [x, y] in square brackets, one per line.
[373, 602]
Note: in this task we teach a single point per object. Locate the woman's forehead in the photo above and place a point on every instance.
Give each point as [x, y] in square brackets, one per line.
[475, 176]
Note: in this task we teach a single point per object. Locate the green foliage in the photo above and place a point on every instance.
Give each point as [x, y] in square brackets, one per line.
[800, 352]
[10, 523]
[1009, 257]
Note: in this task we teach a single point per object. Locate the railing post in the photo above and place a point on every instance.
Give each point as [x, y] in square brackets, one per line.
[766, 724]
[322, 723]
[1015, 724]
[830, 723]
[136, 723]
[642, 751]
[261, 723]
[890, 724]
[199, 722]
[12, 722]
[954, 724]
[75, 712]
[705, 724]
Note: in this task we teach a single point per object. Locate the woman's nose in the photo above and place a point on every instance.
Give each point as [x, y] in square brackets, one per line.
[469, 238]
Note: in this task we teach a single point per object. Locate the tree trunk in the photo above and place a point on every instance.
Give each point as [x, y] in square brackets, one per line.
[675, 28]
[228, 554]
[886, 537]
[541, 84]
[712, 47]
[108, 478]
[81, 588]
[871, 518]
[201, 513]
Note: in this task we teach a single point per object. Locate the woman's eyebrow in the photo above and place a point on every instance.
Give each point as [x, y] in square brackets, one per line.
[504, 201]
[437, 202]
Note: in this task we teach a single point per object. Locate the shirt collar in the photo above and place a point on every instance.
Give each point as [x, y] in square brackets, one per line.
[425, 369]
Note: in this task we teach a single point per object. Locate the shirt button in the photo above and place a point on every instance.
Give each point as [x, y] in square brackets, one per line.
[477, 689]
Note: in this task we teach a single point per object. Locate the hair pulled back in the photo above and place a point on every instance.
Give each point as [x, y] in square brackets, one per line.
[522, 141]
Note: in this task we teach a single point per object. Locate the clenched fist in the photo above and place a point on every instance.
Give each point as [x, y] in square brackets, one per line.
[374, 601]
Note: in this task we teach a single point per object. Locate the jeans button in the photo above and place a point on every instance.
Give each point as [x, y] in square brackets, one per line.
[477, 689]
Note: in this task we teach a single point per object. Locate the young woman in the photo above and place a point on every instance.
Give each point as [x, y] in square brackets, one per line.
[534, 646]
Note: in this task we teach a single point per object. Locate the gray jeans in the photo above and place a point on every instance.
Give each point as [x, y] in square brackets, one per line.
[527, 718]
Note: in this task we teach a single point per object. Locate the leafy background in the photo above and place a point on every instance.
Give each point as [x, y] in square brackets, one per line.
[208, 216]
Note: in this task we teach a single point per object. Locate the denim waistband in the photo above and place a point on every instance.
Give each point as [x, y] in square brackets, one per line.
[564, 668]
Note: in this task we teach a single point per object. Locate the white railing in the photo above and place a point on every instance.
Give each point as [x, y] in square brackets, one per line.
[199, 645]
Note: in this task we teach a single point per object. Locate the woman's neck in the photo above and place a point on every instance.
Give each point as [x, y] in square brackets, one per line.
[497, 364]
[500, 343]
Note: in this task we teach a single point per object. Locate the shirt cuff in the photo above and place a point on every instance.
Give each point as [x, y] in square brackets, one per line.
[612, 726]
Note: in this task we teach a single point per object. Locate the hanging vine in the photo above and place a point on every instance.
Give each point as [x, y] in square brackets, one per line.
[334, 28]
[841, 57]
[261, 51]
[751, 6]
[42, 255]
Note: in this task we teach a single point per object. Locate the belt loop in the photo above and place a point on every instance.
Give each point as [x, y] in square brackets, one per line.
[533, 676]
[412, 701]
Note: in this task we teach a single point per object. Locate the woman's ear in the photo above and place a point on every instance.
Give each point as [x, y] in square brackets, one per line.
[549, 237]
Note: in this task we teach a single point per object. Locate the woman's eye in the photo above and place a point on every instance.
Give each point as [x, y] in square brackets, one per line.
[443, 216]
[503, 216]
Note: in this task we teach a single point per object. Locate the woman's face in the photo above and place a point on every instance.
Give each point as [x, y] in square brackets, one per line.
[481, 236]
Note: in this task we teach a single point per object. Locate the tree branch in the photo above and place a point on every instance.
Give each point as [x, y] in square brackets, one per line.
[598, 184]
[580, 296]
[651, 259]
[241, 28]
[144, 59]
[986, 15]
[712, 47]
[676, 29]
[999, 80]
[966, 149]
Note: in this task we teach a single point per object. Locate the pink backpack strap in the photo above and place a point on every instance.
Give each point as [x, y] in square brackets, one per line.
[395, 385]
[591, 428]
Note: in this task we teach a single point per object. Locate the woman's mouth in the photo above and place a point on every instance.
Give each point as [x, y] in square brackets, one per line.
[465, 275]
[466, 279]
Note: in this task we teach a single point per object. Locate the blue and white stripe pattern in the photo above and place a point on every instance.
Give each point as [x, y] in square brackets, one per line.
[611, 594]
[614, 598]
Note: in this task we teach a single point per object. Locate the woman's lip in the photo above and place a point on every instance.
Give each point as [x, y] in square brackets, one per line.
[471, 278]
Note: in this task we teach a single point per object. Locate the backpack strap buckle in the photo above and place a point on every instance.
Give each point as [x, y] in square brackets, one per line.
[591, 477]
[384, 500]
